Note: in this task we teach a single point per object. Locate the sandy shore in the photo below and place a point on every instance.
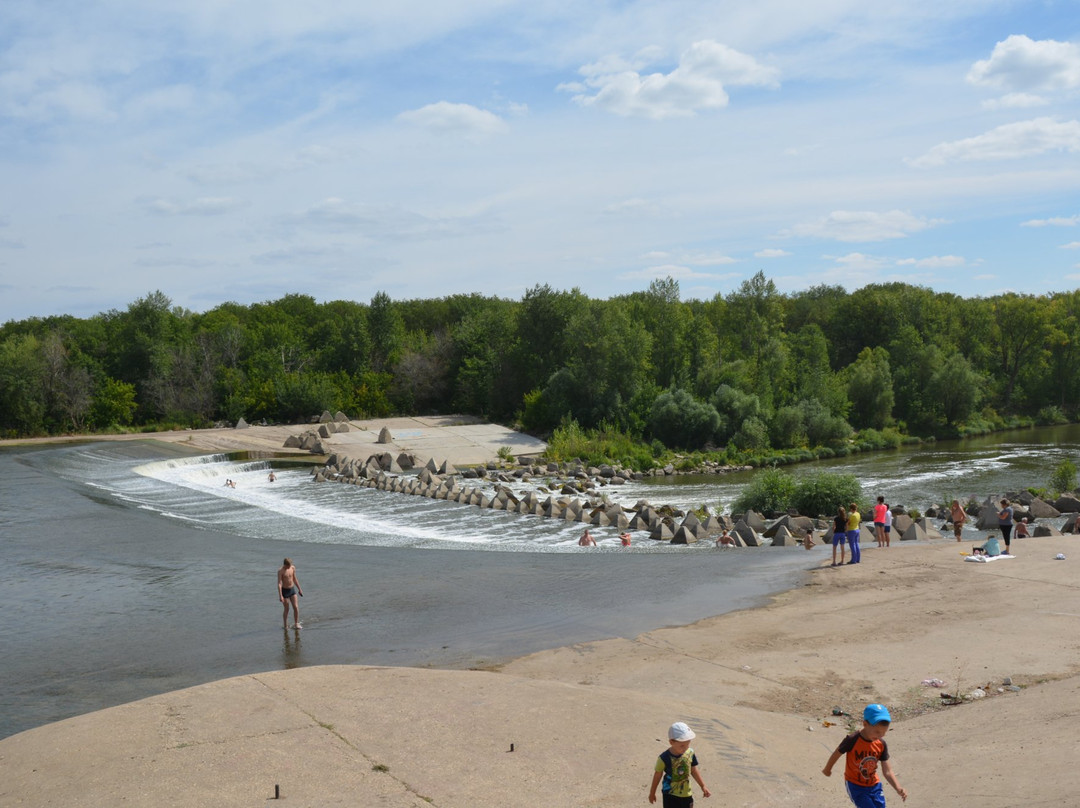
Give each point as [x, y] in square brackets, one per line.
[586, 722]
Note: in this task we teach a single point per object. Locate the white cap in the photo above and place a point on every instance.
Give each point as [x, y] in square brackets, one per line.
[680, 732]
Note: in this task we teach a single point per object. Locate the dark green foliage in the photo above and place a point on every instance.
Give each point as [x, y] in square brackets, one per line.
[783, 373]
[820, 493]
[770, 490]
[1064, 477]
[682, 421]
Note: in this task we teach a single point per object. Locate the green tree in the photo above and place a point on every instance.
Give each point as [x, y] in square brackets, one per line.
[114, 404]
[1020, 333]
[679, 420]
[22, 394]
[387, 331]
[870, 389]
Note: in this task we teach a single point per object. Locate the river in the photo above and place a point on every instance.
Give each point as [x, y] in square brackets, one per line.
[130, 569]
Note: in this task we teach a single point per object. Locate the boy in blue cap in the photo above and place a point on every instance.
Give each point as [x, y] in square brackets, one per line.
[865, 750]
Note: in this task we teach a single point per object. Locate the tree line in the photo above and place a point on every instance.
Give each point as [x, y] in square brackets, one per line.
[753, 370]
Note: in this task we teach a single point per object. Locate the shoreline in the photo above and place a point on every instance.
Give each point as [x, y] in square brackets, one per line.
[758, 686]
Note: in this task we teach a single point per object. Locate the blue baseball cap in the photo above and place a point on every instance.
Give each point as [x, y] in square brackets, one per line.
[876, 714]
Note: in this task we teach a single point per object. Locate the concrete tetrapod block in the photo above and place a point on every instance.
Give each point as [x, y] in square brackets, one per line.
[782, 537]
[662, 532]
[755, 521]
[914, 532]
[928, 528]
[745, 534]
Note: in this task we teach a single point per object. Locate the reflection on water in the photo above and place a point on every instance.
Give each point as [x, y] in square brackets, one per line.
[290, 649]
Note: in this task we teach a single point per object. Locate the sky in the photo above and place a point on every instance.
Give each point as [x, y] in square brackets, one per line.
[242, 150]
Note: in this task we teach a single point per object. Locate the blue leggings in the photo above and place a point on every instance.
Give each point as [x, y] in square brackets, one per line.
[853, 543]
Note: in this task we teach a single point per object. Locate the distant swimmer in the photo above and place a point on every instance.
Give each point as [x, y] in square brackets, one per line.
[288, 589]
[625, 539]
[271, 478]
[724, 540]
[230, 484]
[586, 539]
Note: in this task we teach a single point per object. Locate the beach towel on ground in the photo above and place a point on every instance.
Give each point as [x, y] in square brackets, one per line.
[982, 559]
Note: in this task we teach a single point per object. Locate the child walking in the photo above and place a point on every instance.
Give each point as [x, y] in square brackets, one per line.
[675, 766]
[865, 750]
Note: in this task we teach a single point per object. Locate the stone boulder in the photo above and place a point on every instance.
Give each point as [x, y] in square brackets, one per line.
[291, 442]
[1040, 509]
[1067, 503]
[1045, 530]
[988, 518]
[340, 417]
[242, 424]
[385, 436]
[325, 417]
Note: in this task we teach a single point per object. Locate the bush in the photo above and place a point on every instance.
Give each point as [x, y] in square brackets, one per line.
[752, 435]
[770, 490]
[1051, 416]
[822, 492]
[1064, 477]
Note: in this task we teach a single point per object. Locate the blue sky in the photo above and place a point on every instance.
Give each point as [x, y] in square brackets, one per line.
[238, 150]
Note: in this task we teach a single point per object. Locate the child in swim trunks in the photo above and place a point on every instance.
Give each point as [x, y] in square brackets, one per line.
[865, 750]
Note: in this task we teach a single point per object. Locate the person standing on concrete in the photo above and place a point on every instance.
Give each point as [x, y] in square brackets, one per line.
[1005, 522]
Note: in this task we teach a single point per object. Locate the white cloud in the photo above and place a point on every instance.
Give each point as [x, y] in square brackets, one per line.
[709, 259]
[859, 261]
[1015, 101]
[934, 262]
[771, 253]
[336, 215]
[636, 206]
[204, 206]
[1020, 63]
[445, 117]
[676, 271]
[1057, 221]
[698, 83]
[862, 226]
[1072, 245]
[1010, 141]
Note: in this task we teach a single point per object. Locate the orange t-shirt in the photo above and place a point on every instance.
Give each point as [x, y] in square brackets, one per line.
[863, 757]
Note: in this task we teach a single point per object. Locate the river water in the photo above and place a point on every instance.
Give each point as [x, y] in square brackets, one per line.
[130, 569]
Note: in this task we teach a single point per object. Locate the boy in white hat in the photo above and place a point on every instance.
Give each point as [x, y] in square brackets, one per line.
[675, 766]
